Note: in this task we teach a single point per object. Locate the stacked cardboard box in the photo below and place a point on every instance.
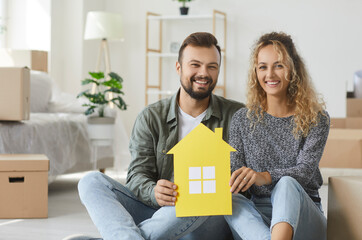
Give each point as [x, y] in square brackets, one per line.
[349, 122]
[344, 208]
[34, 59]
[354, 122]
[344, 144]
[354, 115]
[338, 122]
[354, 107]
[14, 93]
[24, 186]
[343, 149]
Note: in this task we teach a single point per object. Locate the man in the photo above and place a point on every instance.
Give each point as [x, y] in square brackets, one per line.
[144, 208]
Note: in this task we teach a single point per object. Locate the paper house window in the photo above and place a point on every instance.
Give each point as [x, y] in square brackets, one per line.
[202, 180]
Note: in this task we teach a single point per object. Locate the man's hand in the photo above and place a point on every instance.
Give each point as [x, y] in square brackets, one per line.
[243, 178]
[165, 193]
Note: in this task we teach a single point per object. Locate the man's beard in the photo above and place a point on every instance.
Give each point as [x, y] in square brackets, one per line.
[198, 95]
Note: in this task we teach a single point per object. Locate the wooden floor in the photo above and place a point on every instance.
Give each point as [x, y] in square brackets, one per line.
[67, 216]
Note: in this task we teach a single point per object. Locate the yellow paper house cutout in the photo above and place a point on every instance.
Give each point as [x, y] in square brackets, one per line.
[202, 173]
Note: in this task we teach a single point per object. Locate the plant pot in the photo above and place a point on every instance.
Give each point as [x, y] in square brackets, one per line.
[184, 10]
[101, 130]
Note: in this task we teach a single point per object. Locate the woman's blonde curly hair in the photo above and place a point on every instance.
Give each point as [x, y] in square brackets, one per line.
[301, 94]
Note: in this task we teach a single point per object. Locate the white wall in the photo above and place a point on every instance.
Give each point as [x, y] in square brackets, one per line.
[325, 32]
[67, 44]
[28, 24]
[3, 22]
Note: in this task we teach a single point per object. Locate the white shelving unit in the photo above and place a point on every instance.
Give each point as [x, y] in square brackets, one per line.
[159, 53]
[154, 16]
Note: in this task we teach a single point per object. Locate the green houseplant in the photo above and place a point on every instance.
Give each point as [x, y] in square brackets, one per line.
[184, 10]
[101, 128]
[101, 97]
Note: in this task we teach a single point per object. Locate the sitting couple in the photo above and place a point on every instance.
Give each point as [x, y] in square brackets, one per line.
[279, 137]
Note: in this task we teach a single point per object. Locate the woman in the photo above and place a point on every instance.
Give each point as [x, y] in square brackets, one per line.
[279, 139]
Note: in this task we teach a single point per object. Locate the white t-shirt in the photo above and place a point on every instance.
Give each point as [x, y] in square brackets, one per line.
[187, 122]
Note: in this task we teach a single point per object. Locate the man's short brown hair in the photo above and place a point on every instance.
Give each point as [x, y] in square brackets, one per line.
[199, 39]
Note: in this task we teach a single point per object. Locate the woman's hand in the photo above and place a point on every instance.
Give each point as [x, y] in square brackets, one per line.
[165, 193]
[244, 177]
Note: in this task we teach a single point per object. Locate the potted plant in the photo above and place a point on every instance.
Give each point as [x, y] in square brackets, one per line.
[107, 91]
[184, 10]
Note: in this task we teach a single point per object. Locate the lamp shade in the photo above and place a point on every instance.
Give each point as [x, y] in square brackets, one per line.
[100, 25]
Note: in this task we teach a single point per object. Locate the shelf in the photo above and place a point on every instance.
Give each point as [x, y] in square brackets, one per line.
[161, 92]
[171, 55]
[154, 54]
[158, 56]
[182, 17]
[170, 92]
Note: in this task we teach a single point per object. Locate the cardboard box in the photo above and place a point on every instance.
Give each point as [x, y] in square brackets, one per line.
[34, 59]
[343, 149]
[344, 208]
[354, 107]
[23, 186]
[338, 122]
[354, 122]
[39, 60]
[350, 122]
[14, 93]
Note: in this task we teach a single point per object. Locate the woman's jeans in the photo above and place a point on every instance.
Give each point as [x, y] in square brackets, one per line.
[118, 214]
[254, 219]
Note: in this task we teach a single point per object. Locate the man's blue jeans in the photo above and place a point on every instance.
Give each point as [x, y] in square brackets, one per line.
[254, 219]
[118, 214]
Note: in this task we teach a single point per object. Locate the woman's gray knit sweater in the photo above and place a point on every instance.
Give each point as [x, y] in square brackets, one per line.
[271, 146]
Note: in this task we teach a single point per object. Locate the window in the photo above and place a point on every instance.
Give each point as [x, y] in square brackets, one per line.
[202, 181]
